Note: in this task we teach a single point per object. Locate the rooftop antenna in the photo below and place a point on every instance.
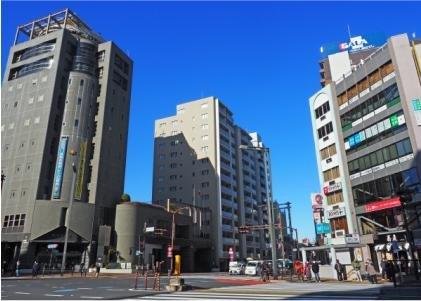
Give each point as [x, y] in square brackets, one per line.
[349, 32]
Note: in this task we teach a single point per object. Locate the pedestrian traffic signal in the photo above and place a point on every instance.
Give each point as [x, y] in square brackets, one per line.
[244, 229]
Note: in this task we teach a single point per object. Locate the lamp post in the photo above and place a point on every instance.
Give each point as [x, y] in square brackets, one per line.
[266, 156]
[73, 153]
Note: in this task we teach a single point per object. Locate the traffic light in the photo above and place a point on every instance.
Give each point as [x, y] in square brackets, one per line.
[244, 229]
[405, 195]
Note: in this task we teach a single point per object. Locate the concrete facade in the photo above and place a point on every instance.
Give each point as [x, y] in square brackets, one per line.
[133, 218]
[197, 161]
[59, 109]
[377, 135]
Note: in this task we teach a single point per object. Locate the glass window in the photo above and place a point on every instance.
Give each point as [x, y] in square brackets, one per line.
[386, 154]
[401, 149]
[407, 146]
[393, 152]
[379, 155]
[373, 159]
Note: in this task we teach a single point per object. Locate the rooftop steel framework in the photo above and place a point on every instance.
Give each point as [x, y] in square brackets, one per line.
[56, 21]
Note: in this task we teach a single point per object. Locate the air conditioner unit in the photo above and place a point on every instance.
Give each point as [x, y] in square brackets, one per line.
[339, 233]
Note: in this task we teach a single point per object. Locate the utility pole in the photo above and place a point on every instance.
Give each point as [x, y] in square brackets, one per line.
[69, 212]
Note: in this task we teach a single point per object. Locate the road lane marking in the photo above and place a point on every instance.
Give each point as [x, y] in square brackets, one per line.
[22, 293]
[84, 288]
[51, 295]
[91, 297]
[116, 289]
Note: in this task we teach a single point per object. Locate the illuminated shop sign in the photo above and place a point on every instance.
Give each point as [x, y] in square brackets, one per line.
[382, 205]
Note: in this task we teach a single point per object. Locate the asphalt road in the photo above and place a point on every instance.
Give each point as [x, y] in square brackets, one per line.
[104, 287]
[211, 286]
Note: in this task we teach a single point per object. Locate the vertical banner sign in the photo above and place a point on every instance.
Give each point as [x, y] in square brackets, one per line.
[58, 174]
[80, 170]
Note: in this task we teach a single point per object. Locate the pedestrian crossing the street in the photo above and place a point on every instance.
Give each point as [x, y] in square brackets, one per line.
[209, 295]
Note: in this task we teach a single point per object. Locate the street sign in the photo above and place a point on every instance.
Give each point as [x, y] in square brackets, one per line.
[52, 246]
[169, 252]
[230, 251]
[149, 229]
[138, 252]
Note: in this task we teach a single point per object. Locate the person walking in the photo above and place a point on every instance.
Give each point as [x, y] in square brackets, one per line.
[98, 269]
[82, 269]
[371, 271]
[18, 268]
[356, 265]
[35, 267]
[383, 267]
[339, 269]
[316, 269]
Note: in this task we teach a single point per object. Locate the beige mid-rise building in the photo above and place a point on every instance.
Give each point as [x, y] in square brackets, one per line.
[197, 162]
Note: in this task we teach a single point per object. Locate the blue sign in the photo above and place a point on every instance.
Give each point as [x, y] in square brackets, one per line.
[323, 228]
[354, 44]
[58, 175]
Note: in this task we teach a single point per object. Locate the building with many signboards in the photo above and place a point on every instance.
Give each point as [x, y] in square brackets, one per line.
[367, 136]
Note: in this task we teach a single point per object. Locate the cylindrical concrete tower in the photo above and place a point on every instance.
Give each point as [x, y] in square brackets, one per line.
[127, 230]
[77, 127]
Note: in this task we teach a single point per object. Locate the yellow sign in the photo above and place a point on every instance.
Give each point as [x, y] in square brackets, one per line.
[80, 170]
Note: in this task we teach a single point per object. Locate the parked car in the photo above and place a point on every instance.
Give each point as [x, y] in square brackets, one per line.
[284, 264]
[253, 268]
[236, 268]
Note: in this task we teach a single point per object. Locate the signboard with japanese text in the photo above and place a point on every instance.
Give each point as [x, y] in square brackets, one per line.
[336, 213]
[381, 205]
[58, 174]
[323, 228]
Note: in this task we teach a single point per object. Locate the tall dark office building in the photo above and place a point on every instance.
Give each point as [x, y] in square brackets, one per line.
[65, 111]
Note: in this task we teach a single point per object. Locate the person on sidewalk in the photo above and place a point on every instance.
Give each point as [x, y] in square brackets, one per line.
[18, 268]
[371, 271]
[316, 269]
[356, 265]
[35, 268]
[98, 269]
[82, 269]
[339, 269]
[383, 267]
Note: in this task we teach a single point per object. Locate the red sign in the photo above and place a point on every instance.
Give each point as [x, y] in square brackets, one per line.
[169, 252]
[381, 205]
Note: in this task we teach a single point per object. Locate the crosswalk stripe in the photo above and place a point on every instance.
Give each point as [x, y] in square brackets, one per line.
[240, 296]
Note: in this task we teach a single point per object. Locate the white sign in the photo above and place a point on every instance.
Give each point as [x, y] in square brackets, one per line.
[149, 229]
[332, 188]
[52, 246]
[352, 238]
[336, 213]
[138, 252]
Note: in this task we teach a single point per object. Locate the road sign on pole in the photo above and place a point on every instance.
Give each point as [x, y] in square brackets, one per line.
[231, 254]
[52, 246]
[169, 251]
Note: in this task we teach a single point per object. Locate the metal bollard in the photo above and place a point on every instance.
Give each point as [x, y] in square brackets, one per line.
[146, 280]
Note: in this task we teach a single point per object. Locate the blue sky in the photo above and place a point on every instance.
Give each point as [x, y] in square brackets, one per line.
[259, 58]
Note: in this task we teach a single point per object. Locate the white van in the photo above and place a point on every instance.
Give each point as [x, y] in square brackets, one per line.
[236, 268]
[253, 267]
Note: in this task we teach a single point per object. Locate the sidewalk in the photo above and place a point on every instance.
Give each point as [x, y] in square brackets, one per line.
[53, 276]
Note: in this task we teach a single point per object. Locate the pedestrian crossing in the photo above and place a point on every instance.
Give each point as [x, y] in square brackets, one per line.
[209, 295]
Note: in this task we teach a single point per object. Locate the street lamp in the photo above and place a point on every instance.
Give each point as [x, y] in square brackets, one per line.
[73, 153]
[266, 156]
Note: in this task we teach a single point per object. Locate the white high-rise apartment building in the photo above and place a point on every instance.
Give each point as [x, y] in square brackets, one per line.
[197, 161]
